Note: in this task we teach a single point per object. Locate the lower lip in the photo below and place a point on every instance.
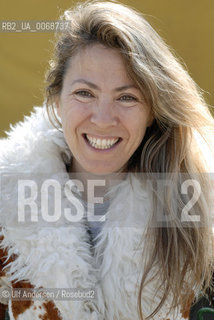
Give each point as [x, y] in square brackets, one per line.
[101, 150]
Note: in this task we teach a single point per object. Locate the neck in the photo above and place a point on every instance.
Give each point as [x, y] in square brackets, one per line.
[93, 186]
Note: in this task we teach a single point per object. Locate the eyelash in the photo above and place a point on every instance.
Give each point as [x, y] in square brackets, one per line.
[87, 94]
[127, 95]
[84, 93]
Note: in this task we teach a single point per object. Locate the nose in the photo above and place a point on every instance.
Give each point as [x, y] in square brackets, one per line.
[104, 115]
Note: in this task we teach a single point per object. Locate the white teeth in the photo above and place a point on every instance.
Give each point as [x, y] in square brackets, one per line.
[101, 143]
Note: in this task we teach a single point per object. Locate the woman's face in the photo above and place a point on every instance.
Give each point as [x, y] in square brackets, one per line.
[103, 115]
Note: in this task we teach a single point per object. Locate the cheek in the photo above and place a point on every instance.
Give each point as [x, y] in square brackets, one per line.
[137, 126]
[72, 119]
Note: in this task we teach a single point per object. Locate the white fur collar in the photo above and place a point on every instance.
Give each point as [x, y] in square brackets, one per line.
[58, 255]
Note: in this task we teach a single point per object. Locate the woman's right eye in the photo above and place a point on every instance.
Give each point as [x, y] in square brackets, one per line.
[83, 93]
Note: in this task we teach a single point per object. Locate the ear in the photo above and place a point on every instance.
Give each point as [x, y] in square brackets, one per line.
[58, 108]
[150, 120]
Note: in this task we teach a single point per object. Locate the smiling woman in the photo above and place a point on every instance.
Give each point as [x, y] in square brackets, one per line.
[122, 115]
[103, 121]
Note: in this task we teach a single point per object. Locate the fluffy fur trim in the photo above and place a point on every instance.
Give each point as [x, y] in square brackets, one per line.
[58, 254]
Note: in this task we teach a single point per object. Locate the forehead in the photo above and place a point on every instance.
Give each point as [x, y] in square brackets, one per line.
[97, 62]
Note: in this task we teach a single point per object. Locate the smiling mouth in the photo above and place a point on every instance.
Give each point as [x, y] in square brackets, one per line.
[101, 144]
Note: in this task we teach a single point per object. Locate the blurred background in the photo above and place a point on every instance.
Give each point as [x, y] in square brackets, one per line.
[186, 25]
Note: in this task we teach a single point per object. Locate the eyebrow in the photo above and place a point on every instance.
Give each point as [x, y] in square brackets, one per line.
[94, 86]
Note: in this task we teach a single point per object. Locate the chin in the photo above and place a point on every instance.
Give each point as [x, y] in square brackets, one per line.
[102, 170]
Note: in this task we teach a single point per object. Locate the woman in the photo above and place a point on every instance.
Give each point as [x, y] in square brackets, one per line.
[129, 121]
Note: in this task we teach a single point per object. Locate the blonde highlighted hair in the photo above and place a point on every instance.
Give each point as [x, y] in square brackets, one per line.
[178, 141]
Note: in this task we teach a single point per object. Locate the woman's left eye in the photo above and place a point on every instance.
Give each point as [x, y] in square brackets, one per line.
[127, 98]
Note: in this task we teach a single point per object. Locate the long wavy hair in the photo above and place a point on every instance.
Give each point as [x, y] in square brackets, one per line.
[176, 143]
